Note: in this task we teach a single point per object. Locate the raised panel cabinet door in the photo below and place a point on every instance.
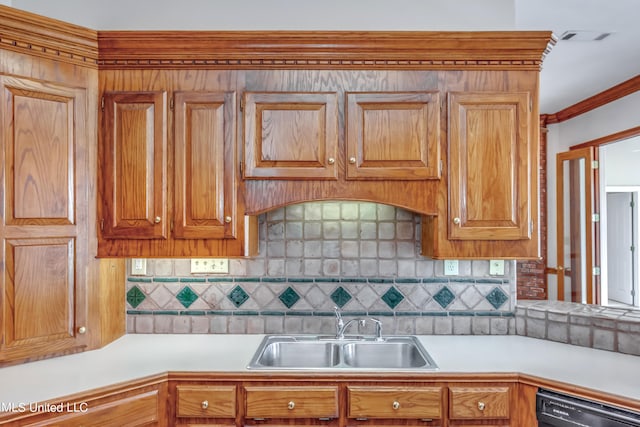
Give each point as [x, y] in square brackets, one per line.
[205, 202]
[489, 166]
[290, 135]
[393, 135]
[134, 144]
[40, 298]
[43, 233]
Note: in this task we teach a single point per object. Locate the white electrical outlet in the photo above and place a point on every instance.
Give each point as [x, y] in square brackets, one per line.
[210, 265]
[138, 267]
[450, 267]
[496, 267]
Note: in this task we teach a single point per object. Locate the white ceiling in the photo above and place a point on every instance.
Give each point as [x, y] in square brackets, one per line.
[572, 71]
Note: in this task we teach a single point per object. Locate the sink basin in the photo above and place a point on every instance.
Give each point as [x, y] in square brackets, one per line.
[391, 354]
[299, 354]
[326, 352]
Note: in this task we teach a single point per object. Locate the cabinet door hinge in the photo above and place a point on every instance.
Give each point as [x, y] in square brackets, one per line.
[171, 104]
[595, 164]
[595, 217]
[530, 227]
[242, 103]
[171, 226]
[102, 104]
[102, 224]
[596, 271]
[530, 104]
[241, 169]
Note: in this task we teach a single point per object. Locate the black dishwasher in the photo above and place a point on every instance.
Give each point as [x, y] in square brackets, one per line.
[559, 410]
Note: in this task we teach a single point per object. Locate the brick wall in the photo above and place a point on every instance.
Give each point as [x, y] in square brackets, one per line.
[531, 278]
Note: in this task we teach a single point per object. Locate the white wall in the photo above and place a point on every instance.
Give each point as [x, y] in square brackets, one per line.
[279, 14]
[614, 117]
[6, 2]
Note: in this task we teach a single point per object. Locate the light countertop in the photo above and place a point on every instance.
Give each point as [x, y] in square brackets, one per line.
[136, 356]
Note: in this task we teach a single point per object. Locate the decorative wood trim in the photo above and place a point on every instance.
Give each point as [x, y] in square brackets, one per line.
[614, 137]
[36, 35]
[598, 100]
[502, 50]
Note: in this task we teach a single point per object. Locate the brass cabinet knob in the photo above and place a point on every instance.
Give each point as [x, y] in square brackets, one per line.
[481, 406]
[227, 219]
[291, 405]
[157, 220]
[456, 221]
[331, 160]
[82, 330]
[205, 404]
[352, 160]
[396, 405]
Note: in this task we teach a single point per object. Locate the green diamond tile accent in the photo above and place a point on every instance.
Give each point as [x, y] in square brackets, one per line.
[135, 296]
[497, 297]
[238, 296]
[340, 296]
[186, 296]
[289, 297]
[392, 297]
[444, 297]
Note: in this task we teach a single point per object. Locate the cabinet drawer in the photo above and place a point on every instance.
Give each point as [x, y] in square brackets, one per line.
[395, 402]
[291, 402]
[206, 401]
[478, 402]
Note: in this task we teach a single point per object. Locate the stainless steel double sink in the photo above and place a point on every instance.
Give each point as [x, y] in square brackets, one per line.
[327, 352]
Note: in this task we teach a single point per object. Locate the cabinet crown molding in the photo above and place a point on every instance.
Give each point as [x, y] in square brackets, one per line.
[522, 50]
[37, 35]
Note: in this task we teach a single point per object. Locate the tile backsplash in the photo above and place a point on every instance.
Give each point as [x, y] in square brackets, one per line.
[362, 257]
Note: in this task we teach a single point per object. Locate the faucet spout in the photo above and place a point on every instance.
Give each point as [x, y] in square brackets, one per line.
[340, 333]
[339, 321]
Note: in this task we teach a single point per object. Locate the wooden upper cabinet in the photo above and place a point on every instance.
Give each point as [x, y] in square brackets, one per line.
[290, 135]
[489, 184]
[393, 135]
[134, 140]
[43, 308]
[205, 202]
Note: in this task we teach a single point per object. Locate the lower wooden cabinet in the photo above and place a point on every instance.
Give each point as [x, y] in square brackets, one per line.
[478, 403]
[423, 403]
[344, 400]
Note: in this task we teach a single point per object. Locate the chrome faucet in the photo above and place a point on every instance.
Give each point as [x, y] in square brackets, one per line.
[340, 332]
[341, 327]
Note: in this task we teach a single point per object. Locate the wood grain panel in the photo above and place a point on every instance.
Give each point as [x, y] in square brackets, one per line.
[220, 401]
[394, 402]
[137, 410]
[291, 402]
[479, 403]
[40, 291]
[135, 142]
[290, 135]
[393, 135]
[204, 165]
[40, 142]
[489, 173]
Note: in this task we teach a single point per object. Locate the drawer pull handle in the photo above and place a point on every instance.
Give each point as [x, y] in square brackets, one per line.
[396, 405]
[456, 221]
[331, 160]
[157, 220]
[227, 219]
[291, 405]
[205, 404]
[352, 160]
[82, 330]
[481, 406]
